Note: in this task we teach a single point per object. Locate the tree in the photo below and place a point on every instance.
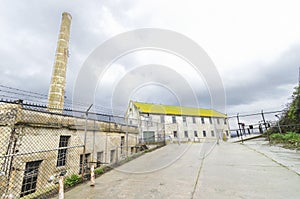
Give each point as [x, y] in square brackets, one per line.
[291, 117]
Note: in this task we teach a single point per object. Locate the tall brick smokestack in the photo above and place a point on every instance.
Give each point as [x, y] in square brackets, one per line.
[58, 80]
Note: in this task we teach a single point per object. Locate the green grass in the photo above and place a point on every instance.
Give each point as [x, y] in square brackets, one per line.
[289, 140]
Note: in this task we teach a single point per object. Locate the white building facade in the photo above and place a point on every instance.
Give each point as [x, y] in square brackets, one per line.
[176, 123]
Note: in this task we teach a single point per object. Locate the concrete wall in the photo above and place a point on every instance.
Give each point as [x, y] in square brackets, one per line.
[33, 136]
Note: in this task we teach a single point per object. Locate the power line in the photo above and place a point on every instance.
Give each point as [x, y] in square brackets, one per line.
[22, 94]
[11, 88]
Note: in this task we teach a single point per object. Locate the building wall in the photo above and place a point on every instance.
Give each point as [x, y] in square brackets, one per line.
[35, 136]
[166, 127]
[190, 126]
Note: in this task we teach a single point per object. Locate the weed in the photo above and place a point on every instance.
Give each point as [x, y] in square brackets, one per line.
[72, 180]
[99, 171]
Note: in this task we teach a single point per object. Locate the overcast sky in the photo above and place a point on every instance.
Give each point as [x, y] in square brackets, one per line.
[255, 46]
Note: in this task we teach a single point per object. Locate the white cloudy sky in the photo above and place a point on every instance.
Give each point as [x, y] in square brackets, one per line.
[255, 45]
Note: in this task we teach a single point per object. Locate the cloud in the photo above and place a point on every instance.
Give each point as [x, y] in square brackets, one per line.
[265, 85]
[254, 44]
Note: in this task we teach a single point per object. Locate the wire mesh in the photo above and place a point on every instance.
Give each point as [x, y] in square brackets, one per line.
[38, 145]
[259, 123]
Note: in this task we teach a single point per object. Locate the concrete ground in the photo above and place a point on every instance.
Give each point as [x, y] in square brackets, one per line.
[289, 158]
[228, 170]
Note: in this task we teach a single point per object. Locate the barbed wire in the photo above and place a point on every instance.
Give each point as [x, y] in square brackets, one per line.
[34, 97]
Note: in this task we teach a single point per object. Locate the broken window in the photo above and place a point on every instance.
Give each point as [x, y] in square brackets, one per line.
[30, 177]
[62, 153]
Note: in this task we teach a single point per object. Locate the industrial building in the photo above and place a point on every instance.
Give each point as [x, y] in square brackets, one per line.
[177, 122]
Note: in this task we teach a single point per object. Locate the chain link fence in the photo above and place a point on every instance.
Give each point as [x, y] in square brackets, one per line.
[37, 146]
[259, 123]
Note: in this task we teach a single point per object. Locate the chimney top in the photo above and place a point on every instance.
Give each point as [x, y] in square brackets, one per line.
[67, 14]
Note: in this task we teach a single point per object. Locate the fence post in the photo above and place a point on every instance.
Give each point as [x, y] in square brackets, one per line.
[127, 150]
[109, 123]
[84, 143]
[278, 124]
[263, 117]
[9, 196]
[94, 137]
[61, 187]
[238, 120]
[106, 147]
[164, 133]
[92, 176]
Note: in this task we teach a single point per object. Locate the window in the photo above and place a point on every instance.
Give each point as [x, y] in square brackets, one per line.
[183, 119]
[204, 133]
[194, 120]
[159, 137]
[227, 133]
[162, 119]
[99, 158]
[186, 134]
[195, 134]
[122, 144]
[149, 121]
[212, 133]
[175, 134]
[210, 120]
[112, 155]
[30, 177]
[218, 120]
[202, 120]
[85, 162]
[225, 121]
[173, 119]
[62, 153]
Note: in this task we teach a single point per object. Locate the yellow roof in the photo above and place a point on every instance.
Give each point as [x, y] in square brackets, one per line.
[176, 110]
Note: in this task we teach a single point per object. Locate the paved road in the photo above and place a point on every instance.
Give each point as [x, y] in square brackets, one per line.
[230, 170]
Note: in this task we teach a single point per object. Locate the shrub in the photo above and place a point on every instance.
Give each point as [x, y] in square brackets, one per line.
[98, 171]
[72, 180]
[290, 139]
[277, 137]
